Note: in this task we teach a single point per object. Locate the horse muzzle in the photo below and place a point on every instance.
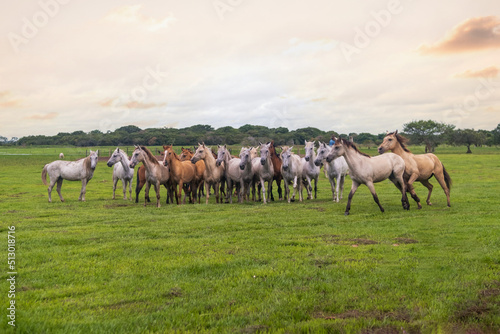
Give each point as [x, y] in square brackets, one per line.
[242, 167]
[262, 162]
[109, 164]
[381, 150]
[307, 159]
[317, 163]
[284, 167]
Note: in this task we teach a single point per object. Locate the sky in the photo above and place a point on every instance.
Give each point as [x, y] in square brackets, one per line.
[348, 66]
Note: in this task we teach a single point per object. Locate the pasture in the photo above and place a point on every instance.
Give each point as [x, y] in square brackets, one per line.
[113, 266]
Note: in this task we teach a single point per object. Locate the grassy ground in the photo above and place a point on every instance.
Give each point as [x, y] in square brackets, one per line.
[112, 266]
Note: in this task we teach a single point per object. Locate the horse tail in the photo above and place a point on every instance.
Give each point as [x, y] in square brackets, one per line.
[447, 178]
[44, 175]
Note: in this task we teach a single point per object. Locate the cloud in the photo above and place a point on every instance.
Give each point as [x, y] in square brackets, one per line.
[116, 103]
[489, 72]
[131, 15]
[6, 101]
[299, 47]
[477, 33]
[43, 117]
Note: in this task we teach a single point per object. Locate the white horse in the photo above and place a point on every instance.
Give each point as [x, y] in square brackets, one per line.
[263, 171]
[61, 155]
[121, 171]
[291, 169]
[213, 172]
[60, 170]
[335, 169]
[309, 170]
[238, 171]
[367, 170]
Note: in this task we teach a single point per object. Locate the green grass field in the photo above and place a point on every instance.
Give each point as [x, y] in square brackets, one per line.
[113, 266]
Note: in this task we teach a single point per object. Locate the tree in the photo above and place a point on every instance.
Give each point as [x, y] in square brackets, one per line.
[466, 137]
[496, 135]
[428, 132]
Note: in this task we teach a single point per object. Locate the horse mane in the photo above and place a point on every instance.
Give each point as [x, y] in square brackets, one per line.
[150, 155]
[401, 140]
[273, 150]
[87, 164]
[353, 146]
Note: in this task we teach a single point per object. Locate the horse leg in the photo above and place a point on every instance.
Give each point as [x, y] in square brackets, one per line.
[179, 194]
[146, 191]
[124, 184]
[83, 191]
[280, 191]
[49, 189]
[59, 185]
[115, 182]
[263, 190]
[301, 186]
[374, 194]
[411, 189]
[309, 187]
[130, 188]
[400, 183]
[332, 185]
[157, 190]
[342, 181]
[316, 188]
[429, 186]
[294, 185]
[354, 187]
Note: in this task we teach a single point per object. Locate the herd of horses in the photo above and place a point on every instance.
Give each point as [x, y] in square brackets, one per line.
[200, 172]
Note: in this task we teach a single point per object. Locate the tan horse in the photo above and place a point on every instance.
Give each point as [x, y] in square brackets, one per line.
[182, 172]
[155, 174]
[186, 154]
[212, 174]
[419, 167]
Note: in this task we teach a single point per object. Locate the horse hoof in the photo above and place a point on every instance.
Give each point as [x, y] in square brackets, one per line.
[346, 213]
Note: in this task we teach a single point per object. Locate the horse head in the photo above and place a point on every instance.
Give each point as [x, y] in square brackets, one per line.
[245, 157]
[323, 151]
[336, 151]
[199, 154]
[264, 153]
[286, 153]
[93, 159]
[389, 143]
[309, 148]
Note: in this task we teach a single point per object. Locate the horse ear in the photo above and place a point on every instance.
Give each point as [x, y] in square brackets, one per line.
[97, 152]
[396, 132]
[225, 146]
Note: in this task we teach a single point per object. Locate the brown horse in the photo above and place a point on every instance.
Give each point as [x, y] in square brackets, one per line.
[186, 154]
[418, 167]
[277, 171]
[182, 172]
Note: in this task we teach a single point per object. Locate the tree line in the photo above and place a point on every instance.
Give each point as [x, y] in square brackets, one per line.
[423, 132]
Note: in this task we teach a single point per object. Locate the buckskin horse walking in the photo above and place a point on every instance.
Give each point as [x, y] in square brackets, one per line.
[419, 167]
